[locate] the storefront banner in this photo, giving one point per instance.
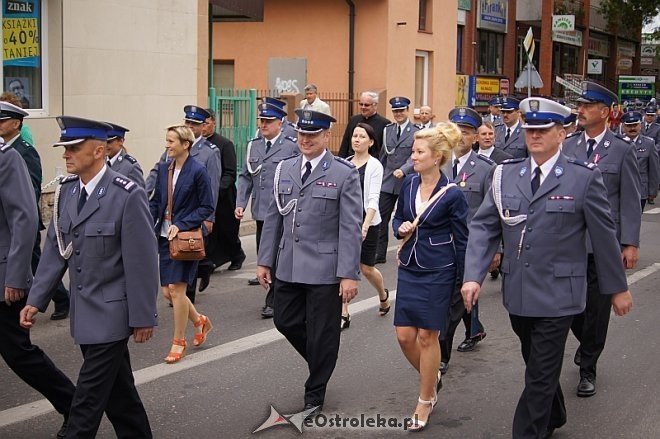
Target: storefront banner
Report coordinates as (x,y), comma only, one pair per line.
(636,87)
(626,49)
(492,15)
(482,90)
(21,22)
(574,38)
(563,22)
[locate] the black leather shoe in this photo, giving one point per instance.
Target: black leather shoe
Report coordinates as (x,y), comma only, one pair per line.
(548,433)
(315,409)
(204,281)
(587,387)
(267,312)
(495,273)
(578,357)
(467,345)
(60,314)
(253,281)
(237,265)
(61,433)
(443,367)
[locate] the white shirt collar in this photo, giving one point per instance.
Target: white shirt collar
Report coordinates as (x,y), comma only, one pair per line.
(91,184)
(404,125)
(114,158)
(487,152)
(315,161)
(513,128)
(13,139)
(273,140)
(461,161)
(546,167)
(599,138)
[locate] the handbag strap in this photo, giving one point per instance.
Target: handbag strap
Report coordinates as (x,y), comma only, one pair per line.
(170,177)
(430,202)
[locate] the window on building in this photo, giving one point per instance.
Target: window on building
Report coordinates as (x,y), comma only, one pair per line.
(459,49)
(223,74)
(491,49)
(425,13)
(421,78)
(22,72)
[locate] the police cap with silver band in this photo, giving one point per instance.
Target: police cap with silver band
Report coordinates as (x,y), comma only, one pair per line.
(11,111)
(631,118)
(195,114)
(274,101)
(571,119)
(509,104)
(465,116)
(651,110)
(270,111)
(593,93)
(311,122)
(117,131)
(399,103)
(543,113)
(76,130)
(496,101)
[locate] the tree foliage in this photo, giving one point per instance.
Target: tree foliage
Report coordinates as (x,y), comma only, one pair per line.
(632,14)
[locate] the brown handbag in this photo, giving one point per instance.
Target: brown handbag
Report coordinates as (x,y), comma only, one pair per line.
(188,245)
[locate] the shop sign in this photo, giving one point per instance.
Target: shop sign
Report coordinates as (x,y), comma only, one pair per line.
(595,67)
(573,38)
(648,50)
(492,15)
(488,85)
(465,5)
(504,87)
(627,49)
(563,22)
(646,61)
(636,87)
(625,63)
(482,90)
(599,47)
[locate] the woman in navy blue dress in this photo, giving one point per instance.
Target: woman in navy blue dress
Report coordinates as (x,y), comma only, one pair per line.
(193,203)
(431,261)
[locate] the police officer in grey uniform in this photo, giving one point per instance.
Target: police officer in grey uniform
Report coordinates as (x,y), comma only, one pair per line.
(472,173)
(647,156)
(118,159)
(398,138)
(616,160)
(102,232)
(208,155)
(18,227)
(534,204)
(313,231)
(288,128)
(650,127)
(255,182)
(494,115)
(508,136)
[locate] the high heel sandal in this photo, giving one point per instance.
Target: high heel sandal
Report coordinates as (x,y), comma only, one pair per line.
(174,357)
(205,323)
(384,310)
(345,322)
(415,425)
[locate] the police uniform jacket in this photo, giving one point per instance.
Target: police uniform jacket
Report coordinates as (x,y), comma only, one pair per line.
(653,132)
(191,198)
(113,267)
(18,220)
(289,130)
(473,180)
(515,145)
(128,166)
(397,157)
(318,242)
(615,158)
(259,186)
(546,275)
(649,168)
(440,238)
(498,156)
(495,120)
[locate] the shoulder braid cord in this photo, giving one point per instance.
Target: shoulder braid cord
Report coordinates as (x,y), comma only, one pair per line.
(249,166)
(497,197)
(291,205)
(66,253)
(387,151)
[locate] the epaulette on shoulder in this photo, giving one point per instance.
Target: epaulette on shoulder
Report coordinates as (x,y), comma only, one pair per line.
(125,183)
(255,138)
(583,164)
(211,145)
(5,147)
(574,133)
(130,158)
(625,139)
(293,139)
(289,157)
(69,178)
(345,162)
(510,161)
(390,124)
(486,159)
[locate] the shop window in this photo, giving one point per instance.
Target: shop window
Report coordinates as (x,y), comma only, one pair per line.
(22,72)
(491,49)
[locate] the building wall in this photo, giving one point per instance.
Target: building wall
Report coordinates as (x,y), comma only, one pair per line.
(137,66)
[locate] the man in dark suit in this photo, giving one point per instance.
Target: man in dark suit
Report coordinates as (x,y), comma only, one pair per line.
(615,157)
(19,224)
(11,121)
(486,144)
(536,203)
(368,104)
(224,243)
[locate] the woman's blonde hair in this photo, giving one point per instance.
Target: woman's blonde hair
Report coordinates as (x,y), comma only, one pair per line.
(441,139)
(184,133)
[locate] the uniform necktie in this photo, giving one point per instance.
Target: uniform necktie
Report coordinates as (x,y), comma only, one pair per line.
(82,199)
(268,145)
(590,147)
(536,181)
(646,127)
(508,134)
(308,170)
(455,168)
(109,163)
(398,132)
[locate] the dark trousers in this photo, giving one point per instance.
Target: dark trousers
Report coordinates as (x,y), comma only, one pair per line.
(224,243)
(270,295)
(590,327)
(541,404)
(643,204)
(456,313)
(29,362)
(105,383)
(61,295)
(204,268)
(308,316)
(260,227)
(386,207)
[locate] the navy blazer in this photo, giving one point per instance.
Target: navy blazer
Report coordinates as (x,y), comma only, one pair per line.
(192,197)
(440,239)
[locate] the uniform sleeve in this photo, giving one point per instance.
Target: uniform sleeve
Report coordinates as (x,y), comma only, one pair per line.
(654,171)
(485,234)
(602,230)
(150,183)
(350,227)
(630,209)
(244,185)
(140,261)
(228,162)
(50,271)
(154,202)
(20,208)
(270,236)
(458,222)
(137,175)
(214,169)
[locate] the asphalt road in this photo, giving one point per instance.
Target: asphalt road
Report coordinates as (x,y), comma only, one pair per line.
(226,389)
